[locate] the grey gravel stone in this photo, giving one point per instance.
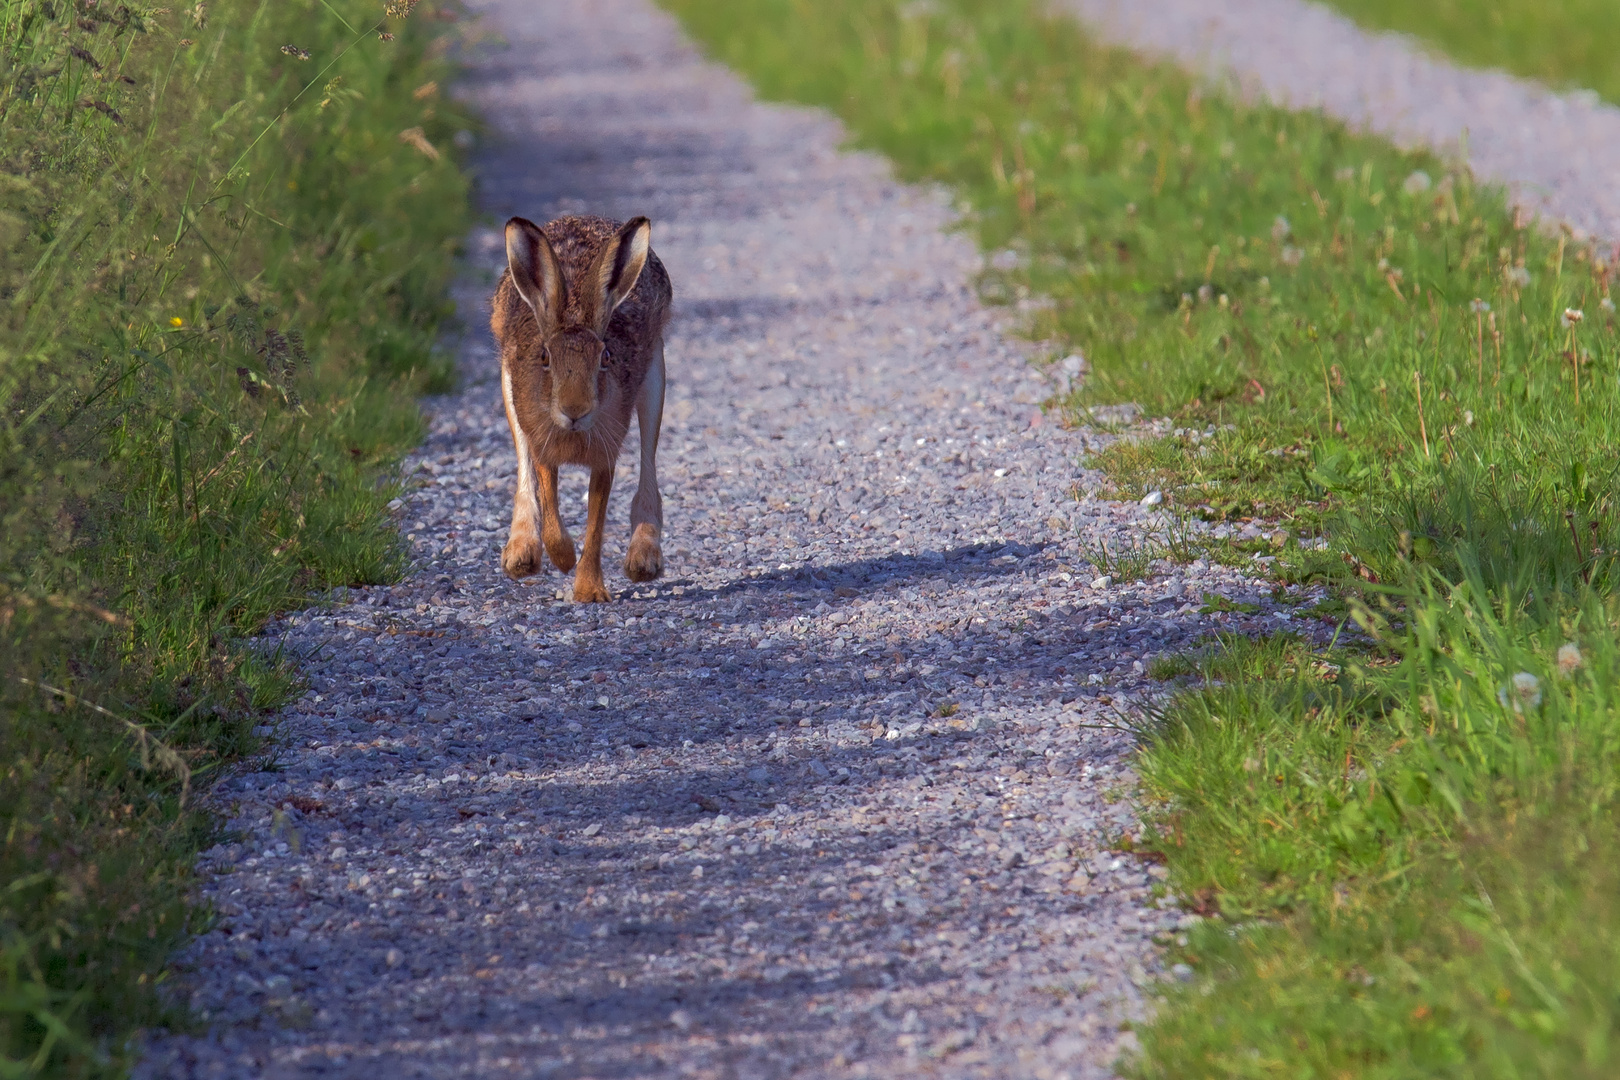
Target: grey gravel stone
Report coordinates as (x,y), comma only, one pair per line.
(835,796)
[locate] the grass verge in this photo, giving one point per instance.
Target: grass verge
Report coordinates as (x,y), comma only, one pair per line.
(1409,849)
(227,232)
(1357,343)
(1569,45)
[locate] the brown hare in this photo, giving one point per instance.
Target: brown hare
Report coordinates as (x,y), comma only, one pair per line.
(579,321)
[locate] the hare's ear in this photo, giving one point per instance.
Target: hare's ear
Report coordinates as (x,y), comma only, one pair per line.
(535,270)
(618,267)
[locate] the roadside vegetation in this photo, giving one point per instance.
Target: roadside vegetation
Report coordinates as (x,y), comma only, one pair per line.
(227,230)
(1569,45)
(1404,843)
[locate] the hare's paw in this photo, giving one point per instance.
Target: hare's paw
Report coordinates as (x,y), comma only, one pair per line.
(645,560)
(520,558)
(560,546)
(591,592)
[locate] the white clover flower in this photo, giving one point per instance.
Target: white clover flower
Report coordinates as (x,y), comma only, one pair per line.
(1572,316)
(1280,229)
(1417,183)
(1523,691)
(1607,305)
(1479,307)
(1569,658)
(1292,256)
(1517,276)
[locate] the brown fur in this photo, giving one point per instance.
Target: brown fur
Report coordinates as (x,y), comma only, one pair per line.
(565,405)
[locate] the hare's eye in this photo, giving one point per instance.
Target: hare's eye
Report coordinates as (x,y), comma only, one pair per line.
(606,356)
(545,357)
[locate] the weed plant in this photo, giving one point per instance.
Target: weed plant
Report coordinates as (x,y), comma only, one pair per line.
(226,234)
(1125,558)
(1405,850)
(1570,44)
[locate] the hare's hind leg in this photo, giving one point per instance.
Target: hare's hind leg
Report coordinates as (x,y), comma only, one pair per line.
(645,559)
(520,558)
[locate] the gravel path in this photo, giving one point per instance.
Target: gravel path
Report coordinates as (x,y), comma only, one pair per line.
(1558,153)
(834,798)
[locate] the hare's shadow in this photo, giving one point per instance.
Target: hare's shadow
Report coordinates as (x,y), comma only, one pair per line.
(899,569)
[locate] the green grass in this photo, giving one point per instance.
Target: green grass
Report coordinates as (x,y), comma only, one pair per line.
(223,267)
(1411,853)
(1570,44)
(1407,876)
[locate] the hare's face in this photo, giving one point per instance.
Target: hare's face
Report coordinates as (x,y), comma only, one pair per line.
(575,361)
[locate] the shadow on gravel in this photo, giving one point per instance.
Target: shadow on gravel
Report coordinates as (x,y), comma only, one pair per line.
(975,560)
(582,968)
(829,862)
(578,1008)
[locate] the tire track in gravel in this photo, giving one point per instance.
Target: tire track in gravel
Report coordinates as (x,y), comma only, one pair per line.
(1558,154)
(722,827)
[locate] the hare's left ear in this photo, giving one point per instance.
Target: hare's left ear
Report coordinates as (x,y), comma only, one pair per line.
(618,267)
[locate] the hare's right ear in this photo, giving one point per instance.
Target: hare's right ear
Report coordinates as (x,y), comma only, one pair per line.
(536,273)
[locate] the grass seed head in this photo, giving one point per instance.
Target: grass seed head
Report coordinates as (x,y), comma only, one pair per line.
(418,138)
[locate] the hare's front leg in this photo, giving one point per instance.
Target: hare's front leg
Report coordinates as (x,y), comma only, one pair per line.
(559,545)
(521,556)
(588,585)
(645,559)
